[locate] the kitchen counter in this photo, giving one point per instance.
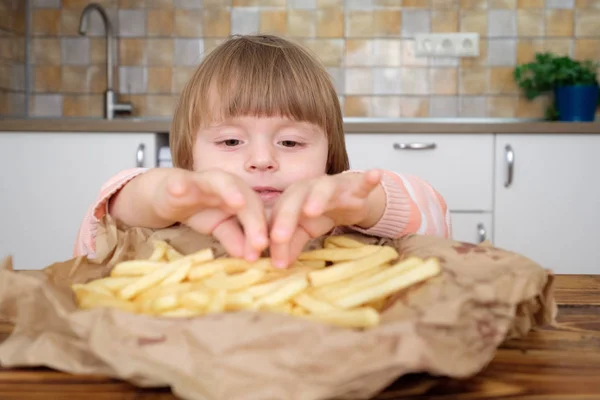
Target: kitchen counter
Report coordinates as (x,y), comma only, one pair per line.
(351,125)
(559,362)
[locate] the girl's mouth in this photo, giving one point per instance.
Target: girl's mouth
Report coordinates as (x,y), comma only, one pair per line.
(268,195)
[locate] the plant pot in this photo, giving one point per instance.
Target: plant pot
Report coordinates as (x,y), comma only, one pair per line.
(576,102)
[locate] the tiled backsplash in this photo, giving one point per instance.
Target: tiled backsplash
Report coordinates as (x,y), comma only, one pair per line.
(12,58)
(367,45)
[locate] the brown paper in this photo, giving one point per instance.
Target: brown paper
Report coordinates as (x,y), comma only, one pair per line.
(450,326)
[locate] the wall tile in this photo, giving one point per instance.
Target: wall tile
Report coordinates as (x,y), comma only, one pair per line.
(188,23)
(75,51)
(502,23)
(444,21)
(45,21)
(48,78)
(474,21)
(159,52)
(502,106)
(472,107)
(474,80)
(443,81)
(559,46)
(188,4)
(502,3)
(302,23)
(480,60)
(244,21)
(561,4)
(358,81)
(587,49)
(416,3)
(502,52)
(133,80)
(443,107)
(526,49)
(357,106)
(387,81)
(46,3)
(330,3)
(132,52)
(302,4)
(387,52)
(415,80)
(160,105)
(359,53)
(133,4)
(387,22)
(83,79)
(559,22)
(188,51)
(181,75)
(473,4)
(132,23)
(409,57)
(159,22)
(530,3)
(273,22)
(587,22)
(160,79)
(415,21)
(532,108)
(359,4)
(330,22)
(329,51)
(337,78)
(216,22)
(47,105)
(359,24)
(46,51)
(414,107)
(83,106)
(587,4)
(530,22)
(502,81)
(385,107)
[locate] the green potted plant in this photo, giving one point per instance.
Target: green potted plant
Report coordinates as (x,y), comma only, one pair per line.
(573,83)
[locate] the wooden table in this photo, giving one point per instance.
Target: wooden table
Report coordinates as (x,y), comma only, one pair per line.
(551,363)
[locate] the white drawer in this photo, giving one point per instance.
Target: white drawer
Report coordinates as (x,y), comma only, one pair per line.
(460,167)
(472,227)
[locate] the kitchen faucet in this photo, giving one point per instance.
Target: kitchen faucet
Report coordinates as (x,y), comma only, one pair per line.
(110,106)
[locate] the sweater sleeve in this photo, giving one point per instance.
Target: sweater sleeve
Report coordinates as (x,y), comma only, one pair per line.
(412,206)
(85,243)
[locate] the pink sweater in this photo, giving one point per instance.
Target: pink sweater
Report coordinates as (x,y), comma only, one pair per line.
(413,206)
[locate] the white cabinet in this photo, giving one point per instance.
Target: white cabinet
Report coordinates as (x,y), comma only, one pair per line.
(549,208)
(48,182)
(459,167)
(472,227)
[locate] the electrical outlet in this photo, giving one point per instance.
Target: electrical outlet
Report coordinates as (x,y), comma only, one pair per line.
(447,44)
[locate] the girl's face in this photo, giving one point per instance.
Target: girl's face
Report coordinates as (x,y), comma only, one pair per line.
(268,153)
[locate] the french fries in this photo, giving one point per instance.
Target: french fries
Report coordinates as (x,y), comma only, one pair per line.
(345,284)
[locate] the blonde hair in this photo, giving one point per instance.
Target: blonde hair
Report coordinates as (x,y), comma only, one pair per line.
(259,75)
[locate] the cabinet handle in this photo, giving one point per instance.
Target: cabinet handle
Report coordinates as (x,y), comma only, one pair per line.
(481,232)
(414,146)
(140,155)
(510,165)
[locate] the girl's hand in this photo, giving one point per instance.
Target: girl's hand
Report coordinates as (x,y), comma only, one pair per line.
(312,208)
(215,203)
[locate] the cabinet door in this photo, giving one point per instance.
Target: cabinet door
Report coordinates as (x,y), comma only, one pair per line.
(549,210)
(472,227)
(459,167)
(48,182)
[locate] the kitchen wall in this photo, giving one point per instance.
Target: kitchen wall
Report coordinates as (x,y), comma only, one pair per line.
(12,58)
(367,46)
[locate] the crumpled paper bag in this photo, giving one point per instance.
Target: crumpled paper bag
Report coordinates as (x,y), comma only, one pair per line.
(450,325)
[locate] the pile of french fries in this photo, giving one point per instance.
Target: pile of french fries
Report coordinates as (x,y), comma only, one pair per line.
(346,283)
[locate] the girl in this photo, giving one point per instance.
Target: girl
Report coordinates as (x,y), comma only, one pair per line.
(260,163)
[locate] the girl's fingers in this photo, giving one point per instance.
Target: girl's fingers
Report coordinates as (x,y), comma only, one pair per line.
(321,197)
(286,214)
(299,240)
(253,220)
(367,183)
(229,234)
(224,187)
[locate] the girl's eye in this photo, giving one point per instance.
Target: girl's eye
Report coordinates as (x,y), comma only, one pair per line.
(230,142)
(289,143)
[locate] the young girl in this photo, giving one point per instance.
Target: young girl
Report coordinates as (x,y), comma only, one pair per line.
(260,163)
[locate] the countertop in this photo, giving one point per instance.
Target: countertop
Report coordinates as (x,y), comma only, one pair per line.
(560,362)
(351,125)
